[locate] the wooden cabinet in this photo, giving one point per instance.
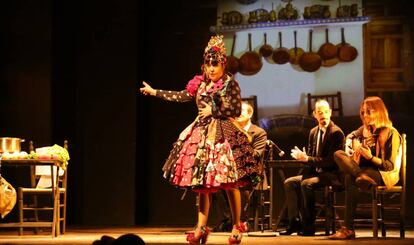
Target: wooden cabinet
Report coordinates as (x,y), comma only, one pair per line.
(388,55)
(388,42)
(388,60)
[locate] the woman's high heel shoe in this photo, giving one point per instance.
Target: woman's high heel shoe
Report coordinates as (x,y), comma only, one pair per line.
(236,238)
(202,239)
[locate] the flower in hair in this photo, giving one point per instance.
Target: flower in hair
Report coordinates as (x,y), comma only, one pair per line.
(216,49)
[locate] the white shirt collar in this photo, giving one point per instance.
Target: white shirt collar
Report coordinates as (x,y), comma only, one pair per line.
(247,127)
(323,129)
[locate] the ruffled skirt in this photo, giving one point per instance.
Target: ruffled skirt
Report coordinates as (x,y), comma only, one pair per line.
(213,156)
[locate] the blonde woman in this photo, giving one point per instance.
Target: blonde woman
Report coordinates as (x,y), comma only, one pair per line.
(370,158)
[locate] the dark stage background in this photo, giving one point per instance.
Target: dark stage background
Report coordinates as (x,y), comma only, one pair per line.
(71,70)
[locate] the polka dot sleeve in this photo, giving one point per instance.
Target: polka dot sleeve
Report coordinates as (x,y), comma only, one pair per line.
(229,104)
(176,96)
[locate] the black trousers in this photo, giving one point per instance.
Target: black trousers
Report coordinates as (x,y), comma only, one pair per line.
(352,170)
(300,195)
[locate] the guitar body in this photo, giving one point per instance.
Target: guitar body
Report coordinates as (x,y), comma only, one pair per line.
(368,140)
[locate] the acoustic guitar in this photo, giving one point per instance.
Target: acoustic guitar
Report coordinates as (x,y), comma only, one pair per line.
(358,142)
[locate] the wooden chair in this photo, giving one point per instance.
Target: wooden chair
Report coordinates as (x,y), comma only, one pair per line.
(380,193)
(325,212)
(262,197)
(252,100)
(334,100)
(38,204)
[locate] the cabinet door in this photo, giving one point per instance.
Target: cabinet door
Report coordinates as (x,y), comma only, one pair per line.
(387,55)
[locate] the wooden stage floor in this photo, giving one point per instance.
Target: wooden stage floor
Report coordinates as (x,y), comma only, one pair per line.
(176,235)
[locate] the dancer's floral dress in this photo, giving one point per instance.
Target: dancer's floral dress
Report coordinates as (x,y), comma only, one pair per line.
(212,153)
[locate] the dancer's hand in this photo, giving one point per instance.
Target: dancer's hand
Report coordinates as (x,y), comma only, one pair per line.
(299,155)
(147,89)
(204,111)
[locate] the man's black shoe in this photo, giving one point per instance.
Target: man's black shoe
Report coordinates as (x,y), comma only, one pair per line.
(294,226)
(307,231)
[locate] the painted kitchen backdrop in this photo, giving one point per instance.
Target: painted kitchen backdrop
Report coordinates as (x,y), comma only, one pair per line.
(280,81)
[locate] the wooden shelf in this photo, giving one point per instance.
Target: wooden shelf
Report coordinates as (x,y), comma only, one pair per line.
(286,23)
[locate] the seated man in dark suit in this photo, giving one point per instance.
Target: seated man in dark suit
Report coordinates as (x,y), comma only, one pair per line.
(324,140)
(259,138)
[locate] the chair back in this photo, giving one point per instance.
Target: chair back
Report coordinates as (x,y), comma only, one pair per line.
(400,188)
(401,162)
(403,170)
(334,100)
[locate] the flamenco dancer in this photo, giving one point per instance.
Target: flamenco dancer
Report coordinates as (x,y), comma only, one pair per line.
(213,152)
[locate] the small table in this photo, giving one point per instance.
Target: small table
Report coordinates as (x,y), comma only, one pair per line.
(55,224)
(281,166)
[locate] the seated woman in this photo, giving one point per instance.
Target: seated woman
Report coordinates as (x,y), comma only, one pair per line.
(370,158)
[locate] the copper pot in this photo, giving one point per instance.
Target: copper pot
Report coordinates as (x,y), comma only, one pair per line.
(310,61)
(232,61)
(250,62)
(266,50)
(330,62)
(327,50)
(8,144)
(296,52)
(346,52)
(280,55)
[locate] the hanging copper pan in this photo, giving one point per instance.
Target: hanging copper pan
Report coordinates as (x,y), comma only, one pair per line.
(266,50)
(250,62)
(346,52)
(280,55)
(295,53)
(327,50)
(330,62)
(232,61)
(310,61)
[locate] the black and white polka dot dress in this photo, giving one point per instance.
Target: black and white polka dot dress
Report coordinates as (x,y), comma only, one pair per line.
(212,153)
